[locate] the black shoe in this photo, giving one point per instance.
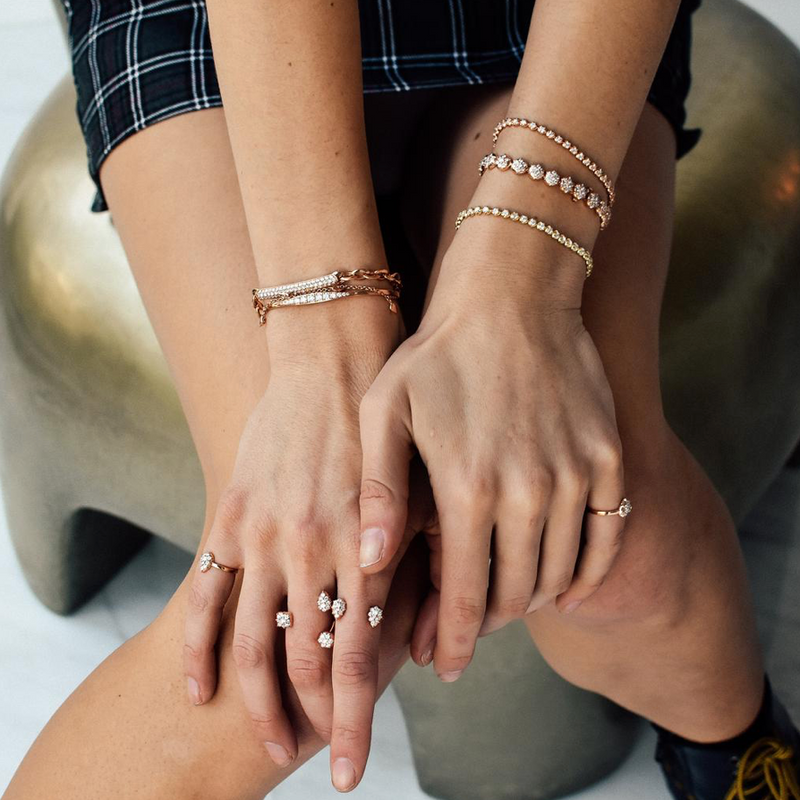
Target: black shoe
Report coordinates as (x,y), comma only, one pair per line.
(763,763)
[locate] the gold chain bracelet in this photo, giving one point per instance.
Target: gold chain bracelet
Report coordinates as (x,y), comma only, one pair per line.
(587,162)
(531,222)
(333,286)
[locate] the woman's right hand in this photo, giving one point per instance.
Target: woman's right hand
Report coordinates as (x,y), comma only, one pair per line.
(289,519)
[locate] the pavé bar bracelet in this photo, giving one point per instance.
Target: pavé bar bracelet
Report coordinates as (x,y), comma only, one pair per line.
(333,286)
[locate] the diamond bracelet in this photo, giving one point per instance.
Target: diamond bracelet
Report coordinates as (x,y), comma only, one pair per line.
(531,222)
(578,191)
(516,122)
(333,286)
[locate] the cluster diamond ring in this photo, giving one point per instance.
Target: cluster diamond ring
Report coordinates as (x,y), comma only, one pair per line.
(622,510)
(207,562)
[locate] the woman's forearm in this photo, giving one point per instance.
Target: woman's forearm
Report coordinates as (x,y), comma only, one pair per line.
(586,72)
(291,81)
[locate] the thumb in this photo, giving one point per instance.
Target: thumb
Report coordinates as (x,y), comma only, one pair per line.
(386,447)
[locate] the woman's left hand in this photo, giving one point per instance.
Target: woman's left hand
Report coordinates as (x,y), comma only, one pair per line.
(503,393)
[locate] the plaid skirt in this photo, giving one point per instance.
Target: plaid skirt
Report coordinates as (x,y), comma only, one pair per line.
(136,62)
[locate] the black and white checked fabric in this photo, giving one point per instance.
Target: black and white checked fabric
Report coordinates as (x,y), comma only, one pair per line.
(136,62)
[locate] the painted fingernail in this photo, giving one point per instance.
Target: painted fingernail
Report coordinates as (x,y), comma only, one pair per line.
(194,691)
(343,774)
(278,753)
(427,654)
(372,542)
(449,677)
(568,609)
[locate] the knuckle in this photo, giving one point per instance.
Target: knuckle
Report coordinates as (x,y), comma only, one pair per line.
(248,652)
(372,405)
(198,600)
(541,482)
(195,653)
(374,491)
(355,667)
(306,673)
(458,662)
(467,610)
(231,507)
(347,733)
(555,585)
(473,492)
(573,479)
(264,721)
(608,453)
(513,606)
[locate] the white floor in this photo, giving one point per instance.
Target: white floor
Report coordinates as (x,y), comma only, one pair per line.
(33,641)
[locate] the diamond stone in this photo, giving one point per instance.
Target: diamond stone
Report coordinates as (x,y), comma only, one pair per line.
(566,185)
(324,601)
(338,607)
(519,166)
(551,177)
(375,615)
(625,507)
(283,619)
(579,192)
(503,161)
(593,201)
(536,172)
(205,561)
(325,639)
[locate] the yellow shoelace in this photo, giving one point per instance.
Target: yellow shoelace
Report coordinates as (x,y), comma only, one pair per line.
(766,765)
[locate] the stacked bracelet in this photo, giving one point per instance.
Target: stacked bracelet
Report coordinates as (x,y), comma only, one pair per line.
(333,286)
(578,191)
(565,143)
(531,222)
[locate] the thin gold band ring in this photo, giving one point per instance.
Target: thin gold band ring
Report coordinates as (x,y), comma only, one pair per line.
(623,509)
(207,562)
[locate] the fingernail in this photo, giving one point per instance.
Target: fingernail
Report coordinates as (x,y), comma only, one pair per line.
(372,542)
(572,606)
(427,655)
(194,691)
(344,774)
(278,753)
(449,677)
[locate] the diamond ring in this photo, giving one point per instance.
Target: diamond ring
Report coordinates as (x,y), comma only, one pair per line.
(623,510)
(207,562)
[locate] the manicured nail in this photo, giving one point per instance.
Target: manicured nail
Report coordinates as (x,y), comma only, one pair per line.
(427,654)
(572,606)
(194,691)
(344,774)
(278,753)
(449,677)
(372,542)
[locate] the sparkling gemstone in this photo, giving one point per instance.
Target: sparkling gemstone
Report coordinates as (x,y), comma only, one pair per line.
(559,139)
(548,229)
(579,156)
(523,122)
(536,172)
(551,177)
(205,562)
(283,619)
(541,129)
(519,166)
(573,150)
(325,639)
(593,201)
(504,213)
(540,225)
(550,134)
(495,211)
(324,602)
(566,184)
(532,222)
(375,615)
(514,215)
(338,607)
(625,507)
(579,192)
(485,210)
(503,161)
(523,218)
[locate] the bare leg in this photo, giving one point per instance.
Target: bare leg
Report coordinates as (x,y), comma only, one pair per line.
(129,730)
(671,633)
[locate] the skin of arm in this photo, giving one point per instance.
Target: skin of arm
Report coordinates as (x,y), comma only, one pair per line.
(290,77)
(515,421)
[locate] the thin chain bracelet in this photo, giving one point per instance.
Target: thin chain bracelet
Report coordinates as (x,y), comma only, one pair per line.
(578,191)
(515,122)
(531,222)
(333,286)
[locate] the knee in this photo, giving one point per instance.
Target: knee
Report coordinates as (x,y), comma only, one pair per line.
(677,515)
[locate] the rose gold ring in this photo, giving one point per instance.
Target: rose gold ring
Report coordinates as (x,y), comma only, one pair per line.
(207,562)
(623,510)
